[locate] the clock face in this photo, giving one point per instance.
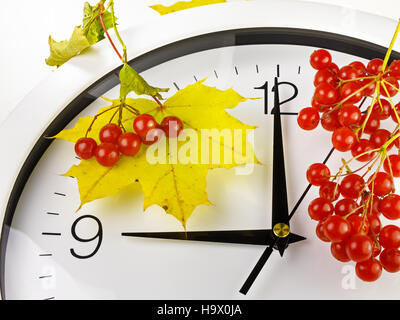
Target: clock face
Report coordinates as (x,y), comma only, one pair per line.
(50,251)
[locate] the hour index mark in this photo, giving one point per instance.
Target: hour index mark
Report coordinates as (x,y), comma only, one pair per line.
(53,213)
(51,234)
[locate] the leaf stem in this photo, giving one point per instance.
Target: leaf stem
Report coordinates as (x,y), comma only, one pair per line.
(158,101)
(108,36)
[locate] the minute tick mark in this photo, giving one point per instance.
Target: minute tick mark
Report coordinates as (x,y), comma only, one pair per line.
(216,74)
(236,70)
(60,194)
(51,234)
(176,86)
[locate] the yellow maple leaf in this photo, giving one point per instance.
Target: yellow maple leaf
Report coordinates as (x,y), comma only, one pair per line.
(173,172)
(182,5)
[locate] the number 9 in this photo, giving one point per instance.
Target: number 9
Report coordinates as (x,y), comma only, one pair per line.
(98,235)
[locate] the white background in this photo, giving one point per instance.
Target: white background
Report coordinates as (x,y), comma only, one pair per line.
(25,26)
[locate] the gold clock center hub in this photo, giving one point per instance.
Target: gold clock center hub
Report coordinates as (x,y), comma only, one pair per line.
(281,230)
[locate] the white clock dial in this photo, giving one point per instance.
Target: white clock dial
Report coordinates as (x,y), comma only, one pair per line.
(46,253)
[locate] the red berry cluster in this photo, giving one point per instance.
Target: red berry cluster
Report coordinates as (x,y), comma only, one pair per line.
(114,142)
(350,203)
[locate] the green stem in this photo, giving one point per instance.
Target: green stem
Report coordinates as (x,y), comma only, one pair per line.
(389,52)
(117,32)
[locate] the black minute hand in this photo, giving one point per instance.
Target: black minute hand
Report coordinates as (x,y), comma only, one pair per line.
(280,210)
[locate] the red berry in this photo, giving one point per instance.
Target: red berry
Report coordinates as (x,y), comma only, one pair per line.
(347,73)
(369,270)
(85,147)
(338,250)
(107,154)
(359,247)
(143,124)
(368,91)
(320,59)
(382,110)
(308,118)
(334,68)
(343,139)
(374,223)
(351,92)
(317,174)
(358,224)
(359,67)
(129,144)
(329,120)
(390,260)
(374,66)
(336,228)
(349,115)
(319,107)
(389,237)
(320,208)
(394,160)
(110,133)
(325,94)
(394,69)
(373,123)
(382,184)
(389,206)
(320,232)
(389,87)
(393,112)
(345,206)
(327,191)
(173,126)
(361,148)
(351,186)
(379,137)
(153,136)
(325,76)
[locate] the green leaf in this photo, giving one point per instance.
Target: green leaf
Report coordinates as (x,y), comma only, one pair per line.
(92,24)
(132,81)
(61,52)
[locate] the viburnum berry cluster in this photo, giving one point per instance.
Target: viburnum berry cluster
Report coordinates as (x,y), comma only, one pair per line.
(116,141)
(352,202)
